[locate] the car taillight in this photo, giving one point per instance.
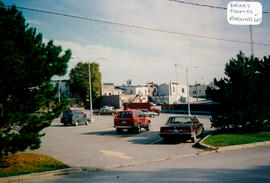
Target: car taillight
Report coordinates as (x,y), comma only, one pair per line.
(166,130)
(186,130)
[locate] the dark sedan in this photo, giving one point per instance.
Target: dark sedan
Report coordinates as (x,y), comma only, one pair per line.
(184,126)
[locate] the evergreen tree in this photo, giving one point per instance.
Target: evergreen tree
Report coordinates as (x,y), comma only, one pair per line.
(244,95)
(27,66)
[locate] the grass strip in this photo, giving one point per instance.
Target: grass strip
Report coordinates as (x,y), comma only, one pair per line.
(26,163)
(220,140)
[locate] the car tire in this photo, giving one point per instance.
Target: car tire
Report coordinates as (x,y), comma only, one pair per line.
(87,122)
(151,115)
(166,139)
(138,129)
(76,123)
(65,124)
(148,128)
(119,130)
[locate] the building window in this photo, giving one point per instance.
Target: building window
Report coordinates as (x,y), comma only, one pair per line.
(183,90)
(173,89)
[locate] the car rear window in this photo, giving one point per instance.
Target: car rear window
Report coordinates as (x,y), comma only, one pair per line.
(179,120)
(76,112)
(124,115)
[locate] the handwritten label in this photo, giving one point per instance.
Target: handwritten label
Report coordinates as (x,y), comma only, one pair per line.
(244,13)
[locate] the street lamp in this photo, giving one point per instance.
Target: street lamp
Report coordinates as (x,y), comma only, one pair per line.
(188,86)
(90,91)
(59,90)
(176,72)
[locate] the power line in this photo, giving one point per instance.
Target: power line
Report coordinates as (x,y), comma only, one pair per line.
(137,26)
(206,5)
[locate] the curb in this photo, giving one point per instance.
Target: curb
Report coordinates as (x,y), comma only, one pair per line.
(31,176)
(243,146)
(208,150)
(200,144)
(206,147)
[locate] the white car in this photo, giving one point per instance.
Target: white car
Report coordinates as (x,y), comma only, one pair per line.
(150,114)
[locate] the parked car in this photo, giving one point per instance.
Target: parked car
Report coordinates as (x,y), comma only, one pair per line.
(74,117)
(184,126)
(149,113)
(131,120)
(104,111)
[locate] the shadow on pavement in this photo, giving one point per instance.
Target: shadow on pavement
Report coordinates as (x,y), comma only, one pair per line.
(172,175)
(113,133)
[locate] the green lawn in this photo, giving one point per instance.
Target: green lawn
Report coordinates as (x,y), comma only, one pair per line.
(219,140)
(25,163)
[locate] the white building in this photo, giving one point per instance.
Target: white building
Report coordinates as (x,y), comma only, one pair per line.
(199,91)
(107,89)
(141,91)
(170,93)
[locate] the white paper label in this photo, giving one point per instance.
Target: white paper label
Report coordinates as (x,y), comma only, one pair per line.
(244,13)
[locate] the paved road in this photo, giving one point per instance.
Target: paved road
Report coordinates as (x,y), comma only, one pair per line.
(97,145)
(246,165)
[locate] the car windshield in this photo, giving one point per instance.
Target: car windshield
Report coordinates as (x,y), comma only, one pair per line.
(179,120)
(124,115)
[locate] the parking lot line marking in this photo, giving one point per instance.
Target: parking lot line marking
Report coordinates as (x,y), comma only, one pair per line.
(116,154)
(156,141)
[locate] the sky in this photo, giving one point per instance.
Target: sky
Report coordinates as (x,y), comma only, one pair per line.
(143,55)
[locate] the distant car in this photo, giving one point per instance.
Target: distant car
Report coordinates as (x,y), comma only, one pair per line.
(104,111)
(184,126)
(149,113)
(131,120)
(74,117)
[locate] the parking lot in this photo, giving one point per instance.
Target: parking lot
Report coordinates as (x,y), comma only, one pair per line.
(98,146)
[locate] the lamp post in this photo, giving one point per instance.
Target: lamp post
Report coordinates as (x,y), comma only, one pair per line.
(59,91)
(90,91)
(188,86)
(176,72)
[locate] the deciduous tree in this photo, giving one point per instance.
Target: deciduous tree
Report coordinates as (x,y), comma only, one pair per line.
(79,80)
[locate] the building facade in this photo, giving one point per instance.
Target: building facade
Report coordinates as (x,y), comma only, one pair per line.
(170,93)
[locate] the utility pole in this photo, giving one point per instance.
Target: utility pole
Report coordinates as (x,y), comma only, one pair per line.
(251,38)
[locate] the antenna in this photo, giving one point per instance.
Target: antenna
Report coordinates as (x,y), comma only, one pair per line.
(129,82)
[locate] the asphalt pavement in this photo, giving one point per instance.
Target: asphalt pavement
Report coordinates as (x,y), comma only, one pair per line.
(98,146)
(245,165)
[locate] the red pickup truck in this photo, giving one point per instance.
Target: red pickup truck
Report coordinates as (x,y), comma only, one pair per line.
(131,119)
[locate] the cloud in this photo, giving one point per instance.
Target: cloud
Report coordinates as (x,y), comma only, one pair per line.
(144,55)
(33,22)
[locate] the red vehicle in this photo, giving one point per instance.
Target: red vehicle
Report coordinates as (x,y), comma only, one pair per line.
(148,106)
(131,120)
